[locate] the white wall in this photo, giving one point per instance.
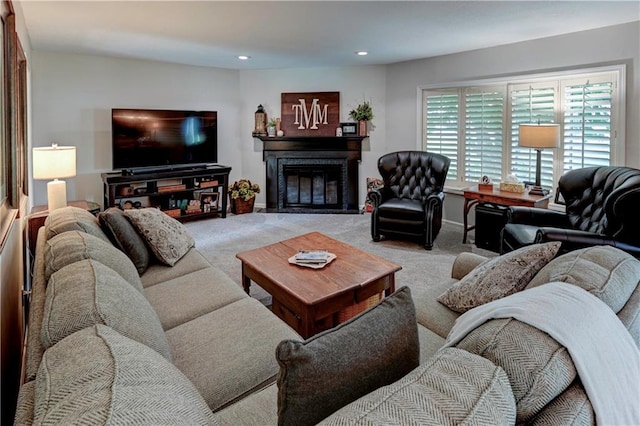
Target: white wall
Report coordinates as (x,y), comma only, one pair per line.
(73,96)
(355,84)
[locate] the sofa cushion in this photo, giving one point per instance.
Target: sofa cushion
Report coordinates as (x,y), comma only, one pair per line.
(159,272)
(194,294)
(498,277)
(87,293)
(453,387)
(431,313)
(228,353)
(538,367)
(327,371)
(125,237)
(167,238)
(608,273)
(97,376)
(572,407)
(70,247)
(72,219)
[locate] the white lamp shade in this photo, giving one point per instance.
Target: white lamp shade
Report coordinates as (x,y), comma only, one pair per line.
(54,162)
(539,136)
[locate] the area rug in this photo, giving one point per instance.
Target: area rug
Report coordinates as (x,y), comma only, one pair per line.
(220,239)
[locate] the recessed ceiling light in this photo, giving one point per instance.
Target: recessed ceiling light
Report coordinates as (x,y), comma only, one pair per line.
(244,57)
(362,53)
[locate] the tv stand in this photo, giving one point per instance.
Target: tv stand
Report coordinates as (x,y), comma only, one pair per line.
(185,193)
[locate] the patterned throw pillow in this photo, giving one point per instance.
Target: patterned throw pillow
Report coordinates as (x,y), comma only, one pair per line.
(167,238)
(498,277)
(332,369)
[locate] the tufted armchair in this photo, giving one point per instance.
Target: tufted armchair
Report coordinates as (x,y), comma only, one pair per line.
(601,209)
(410,202)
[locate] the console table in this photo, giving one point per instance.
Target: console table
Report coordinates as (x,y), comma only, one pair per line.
(474,195)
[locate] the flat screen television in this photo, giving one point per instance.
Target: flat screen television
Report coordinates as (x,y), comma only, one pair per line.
(152,138)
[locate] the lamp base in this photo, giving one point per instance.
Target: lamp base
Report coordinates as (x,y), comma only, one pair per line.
(538,190)
(56,194)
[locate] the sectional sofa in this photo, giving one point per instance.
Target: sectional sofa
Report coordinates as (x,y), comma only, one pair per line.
(129,323)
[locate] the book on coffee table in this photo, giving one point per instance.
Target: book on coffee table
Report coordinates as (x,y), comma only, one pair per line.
(312,256)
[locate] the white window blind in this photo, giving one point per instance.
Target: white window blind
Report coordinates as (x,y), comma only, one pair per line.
(483,134)
(441,126)
(587,123)
(531,103)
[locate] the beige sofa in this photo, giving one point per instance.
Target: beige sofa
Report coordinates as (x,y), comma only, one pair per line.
(213,360)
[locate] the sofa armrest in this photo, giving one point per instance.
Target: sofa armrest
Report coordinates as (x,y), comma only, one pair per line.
(465,263)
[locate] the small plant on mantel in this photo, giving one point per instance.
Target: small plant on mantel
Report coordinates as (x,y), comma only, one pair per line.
(243,189)
(363,112)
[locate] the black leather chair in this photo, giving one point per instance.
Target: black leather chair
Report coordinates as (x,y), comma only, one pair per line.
(410,202)
(602,208)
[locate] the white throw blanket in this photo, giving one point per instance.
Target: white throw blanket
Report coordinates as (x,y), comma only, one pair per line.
(603,352)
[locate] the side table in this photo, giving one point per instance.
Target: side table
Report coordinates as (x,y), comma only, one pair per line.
(40,213)
(474,195)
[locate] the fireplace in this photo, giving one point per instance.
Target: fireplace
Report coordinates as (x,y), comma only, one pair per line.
(312,174)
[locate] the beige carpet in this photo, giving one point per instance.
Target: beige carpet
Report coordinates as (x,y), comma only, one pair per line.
(220,239)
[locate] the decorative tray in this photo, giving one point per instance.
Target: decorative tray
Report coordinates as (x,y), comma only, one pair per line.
(330,257)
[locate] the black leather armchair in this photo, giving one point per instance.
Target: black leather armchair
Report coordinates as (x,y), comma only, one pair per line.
(602,208)
(410,202)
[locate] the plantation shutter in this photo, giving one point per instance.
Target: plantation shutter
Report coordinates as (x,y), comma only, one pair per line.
(483,134)
(441,126)
(587,124)
(532,103)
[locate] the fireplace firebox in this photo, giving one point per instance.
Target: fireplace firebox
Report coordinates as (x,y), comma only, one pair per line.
(312,174)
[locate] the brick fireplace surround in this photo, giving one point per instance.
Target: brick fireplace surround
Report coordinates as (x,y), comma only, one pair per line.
(312,174)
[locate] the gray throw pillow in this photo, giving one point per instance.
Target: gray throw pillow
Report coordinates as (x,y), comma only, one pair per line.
(332,369)
(72,246)
(72,219)
(498,277)
(167,238)
(87,293)
(125,237)
(98,376)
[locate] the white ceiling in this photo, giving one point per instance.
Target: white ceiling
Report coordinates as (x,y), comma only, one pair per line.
(291,34)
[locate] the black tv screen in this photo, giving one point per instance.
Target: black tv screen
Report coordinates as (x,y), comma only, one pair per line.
(153,138)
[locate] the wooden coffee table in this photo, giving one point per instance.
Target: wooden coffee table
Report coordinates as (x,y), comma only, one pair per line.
(309,300)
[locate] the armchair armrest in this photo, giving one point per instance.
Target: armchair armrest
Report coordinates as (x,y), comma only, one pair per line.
(573,239)
(375,197)
(537,217)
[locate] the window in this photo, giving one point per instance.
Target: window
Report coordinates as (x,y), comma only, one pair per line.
(476,125)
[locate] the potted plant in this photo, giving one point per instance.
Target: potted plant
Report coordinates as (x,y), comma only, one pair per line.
(242,196)
(362,114)
(271,127)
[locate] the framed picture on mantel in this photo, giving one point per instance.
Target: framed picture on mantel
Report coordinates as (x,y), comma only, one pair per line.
(310,114)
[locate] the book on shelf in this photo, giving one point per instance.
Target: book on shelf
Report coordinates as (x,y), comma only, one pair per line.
(312,256)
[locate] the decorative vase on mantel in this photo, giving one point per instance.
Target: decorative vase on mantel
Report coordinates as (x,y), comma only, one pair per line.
(363,128)
(240,205)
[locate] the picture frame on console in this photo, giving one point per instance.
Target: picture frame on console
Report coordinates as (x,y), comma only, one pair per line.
(208,201)
(349,129)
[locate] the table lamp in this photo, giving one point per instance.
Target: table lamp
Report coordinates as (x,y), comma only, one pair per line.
(539,137)
(55,162)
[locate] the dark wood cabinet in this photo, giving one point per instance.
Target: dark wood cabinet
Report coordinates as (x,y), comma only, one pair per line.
(185,194)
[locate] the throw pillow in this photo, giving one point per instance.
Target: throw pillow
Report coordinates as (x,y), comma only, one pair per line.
(498,277)
(72,219)
(332,369)
(98,376)
(167,238)
(608,273)
(453,387)
(125,237)
(87,293)
(72,246)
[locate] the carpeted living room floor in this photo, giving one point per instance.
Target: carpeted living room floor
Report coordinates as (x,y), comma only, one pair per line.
(220,239)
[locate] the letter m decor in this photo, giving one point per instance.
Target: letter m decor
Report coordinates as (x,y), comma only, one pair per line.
(310,114)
